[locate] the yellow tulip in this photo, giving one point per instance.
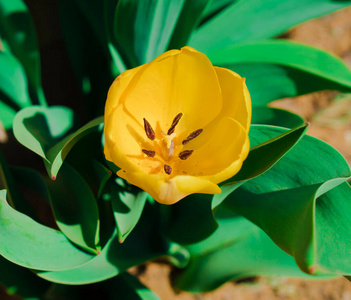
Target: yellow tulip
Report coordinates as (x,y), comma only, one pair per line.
(177,125)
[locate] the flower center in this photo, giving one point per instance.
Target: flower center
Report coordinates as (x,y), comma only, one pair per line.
(164,148)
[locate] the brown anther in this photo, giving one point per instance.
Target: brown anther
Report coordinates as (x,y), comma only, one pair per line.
(149,131)
(185,154)
(174,123)
(168,169)
(192,136)
(149,153)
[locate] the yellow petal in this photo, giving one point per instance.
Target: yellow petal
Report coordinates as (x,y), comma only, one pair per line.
(169,191)
(220,156)
(184,82)
(124,141)
(118,88)
(236,97)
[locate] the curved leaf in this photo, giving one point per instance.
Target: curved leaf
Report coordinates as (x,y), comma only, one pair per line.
(13,83)
(32,245)
(142,244)
(268,82)
(237,250)
(143,29)
(251,20)
(286,61)
(274,116)
(287,202)
(127,203)
(75,208)
(18,33)
(188,19)
(39,128)
(57,154)
(263,155)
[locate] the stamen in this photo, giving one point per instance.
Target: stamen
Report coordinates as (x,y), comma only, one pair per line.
(174,123)
(168,169)
(192,136)
(149,153)
(149,131)
(185,154)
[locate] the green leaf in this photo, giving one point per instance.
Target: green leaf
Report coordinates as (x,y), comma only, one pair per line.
(75,208)
(127,203)
(237,250)
(275,116)
(57,154)
(32,245)
(20,281)
(7,115)
(39,128)
(188,19)
(143,29)
(268,82)
(122,287)
(284,69)
(18,34)
(143,244)
(179,225)
(290,202)
(251,20)
(216,6)
(13,82)
(269,144)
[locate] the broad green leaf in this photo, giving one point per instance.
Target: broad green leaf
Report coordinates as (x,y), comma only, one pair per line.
(143,28)
(216,6)
(269,144)
(144,243)
(7,115)
(18,34)
(250,20)
(13,83)
(275,116)
(75,208)
(237,250)
(188,19)
(20,281)
(32,245)
(127,203)
(291,199)
(121,287)
(268,82)
(179,219)
(57,154)
(39,128)
(320,70)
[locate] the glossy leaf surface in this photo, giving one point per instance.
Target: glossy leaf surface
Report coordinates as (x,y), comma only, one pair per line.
(32,245)
(251,20)
(75,208)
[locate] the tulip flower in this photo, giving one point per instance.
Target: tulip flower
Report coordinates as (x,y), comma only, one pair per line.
(177,125)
